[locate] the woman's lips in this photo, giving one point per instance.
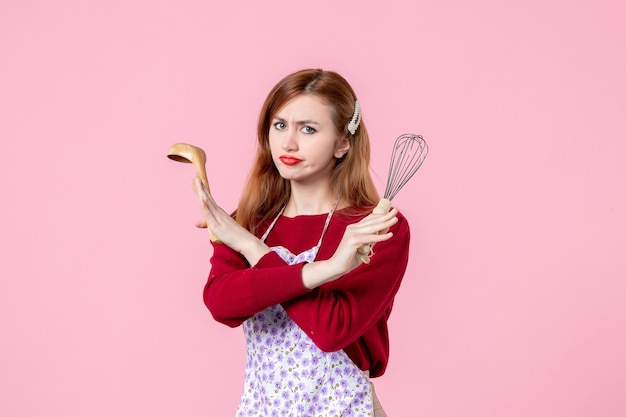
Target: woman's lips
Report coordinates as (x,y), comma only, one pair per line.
(289,160)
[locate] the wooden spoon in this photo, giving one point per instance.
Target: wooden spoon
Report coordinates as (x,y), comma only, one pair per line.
(183,152)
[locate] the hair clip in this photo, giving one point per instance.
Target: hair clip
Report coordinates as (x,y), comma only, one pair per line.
(356,118)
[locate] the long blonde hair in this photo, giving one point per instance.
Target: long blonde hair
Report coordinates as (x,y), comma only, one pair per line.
(266,192)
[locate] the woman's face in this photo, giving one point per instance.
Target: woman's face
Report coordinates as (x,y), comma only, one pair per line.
(304,142)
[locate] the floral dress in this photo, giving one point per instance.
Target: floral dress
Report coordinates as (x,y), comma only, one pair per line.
(288,375)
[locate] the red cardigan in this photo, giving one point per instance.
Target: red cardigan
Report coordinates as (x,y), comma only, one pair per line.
(350,313)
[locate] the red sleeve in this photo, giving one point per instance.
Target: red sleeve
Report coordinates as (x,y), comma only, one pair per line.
(235,291)
(336,314)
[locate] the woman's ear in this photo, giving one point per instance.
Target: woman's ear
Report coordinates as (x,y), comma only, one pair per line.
(343,145)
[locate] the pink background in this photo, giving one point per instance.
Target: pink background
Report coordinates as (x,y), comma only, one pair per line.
(514,303)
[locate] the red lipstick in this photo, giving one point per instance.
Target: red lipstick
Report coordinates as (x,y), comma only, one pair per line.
(289,160)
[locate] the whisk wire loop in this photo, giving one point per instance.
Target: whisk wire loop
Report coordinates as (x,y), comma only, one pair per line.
(408,154)
(409,151)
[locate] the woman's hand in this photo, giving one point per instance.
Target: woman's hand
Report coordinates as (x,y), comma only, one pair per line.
(371,229)
(225,228)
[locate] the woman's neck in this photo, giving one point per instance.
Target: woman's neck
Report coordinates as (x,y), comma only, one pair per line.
(309,201)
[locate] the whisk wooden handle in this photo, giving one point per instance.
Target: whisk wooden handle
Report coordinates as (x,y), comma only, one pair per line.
(384,205)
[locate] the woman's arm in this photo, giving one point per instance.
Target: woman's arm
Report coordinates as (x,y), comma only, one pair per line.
(337,313)
(246,276)
(235,291)
(346,257)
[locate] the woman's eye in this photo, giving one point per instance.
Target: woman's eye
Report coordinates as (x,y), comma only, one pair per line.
(279,126)
(308,130)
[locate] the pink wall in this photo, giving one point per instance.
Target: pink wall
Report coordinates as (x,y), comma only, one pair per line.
(514,303)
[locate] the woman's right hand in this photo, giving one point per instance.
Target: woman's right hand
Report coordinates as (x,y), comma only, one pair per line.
(225,228)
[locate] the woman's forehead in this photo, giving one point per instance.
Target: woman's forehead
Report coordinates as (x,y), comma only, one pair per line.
(305,106)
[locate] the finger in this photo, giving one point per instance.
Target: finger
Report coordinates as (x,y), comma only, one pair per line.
(367,246)
(213,213)
(375,217)
(196,184)
(365,253)
(372,239)
(381,237)
(375,230)
(198,187)
(391,213)
(374,226)
(201,224)
(392,221)
(209,206)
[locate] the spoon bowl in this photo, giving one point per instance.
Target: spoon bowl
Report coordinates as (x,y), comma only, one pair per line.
(184,152)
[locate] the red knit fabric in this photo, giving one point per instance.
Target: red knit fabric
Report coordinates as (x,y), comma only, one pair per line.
(350,313)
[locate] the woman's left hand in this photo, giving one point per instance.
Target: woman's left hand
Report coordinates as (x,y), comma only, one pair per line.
(372,229)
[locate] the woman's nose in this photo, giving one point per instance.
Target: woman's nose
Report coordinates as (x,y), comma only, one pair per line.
(290,142)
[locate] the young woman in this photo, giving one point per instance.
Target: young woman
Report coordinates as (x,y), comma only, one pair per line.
(314,308)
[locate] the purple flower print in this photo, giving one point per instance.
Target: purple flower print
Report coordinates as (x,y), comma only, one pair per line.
(287,375)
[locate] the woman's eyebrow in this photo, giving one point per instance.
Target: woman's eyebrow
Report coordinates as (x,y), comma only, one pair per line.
(300,122)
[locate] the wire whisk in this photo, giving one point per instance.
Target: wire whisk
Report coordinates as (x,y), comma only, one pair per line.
(409,152)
